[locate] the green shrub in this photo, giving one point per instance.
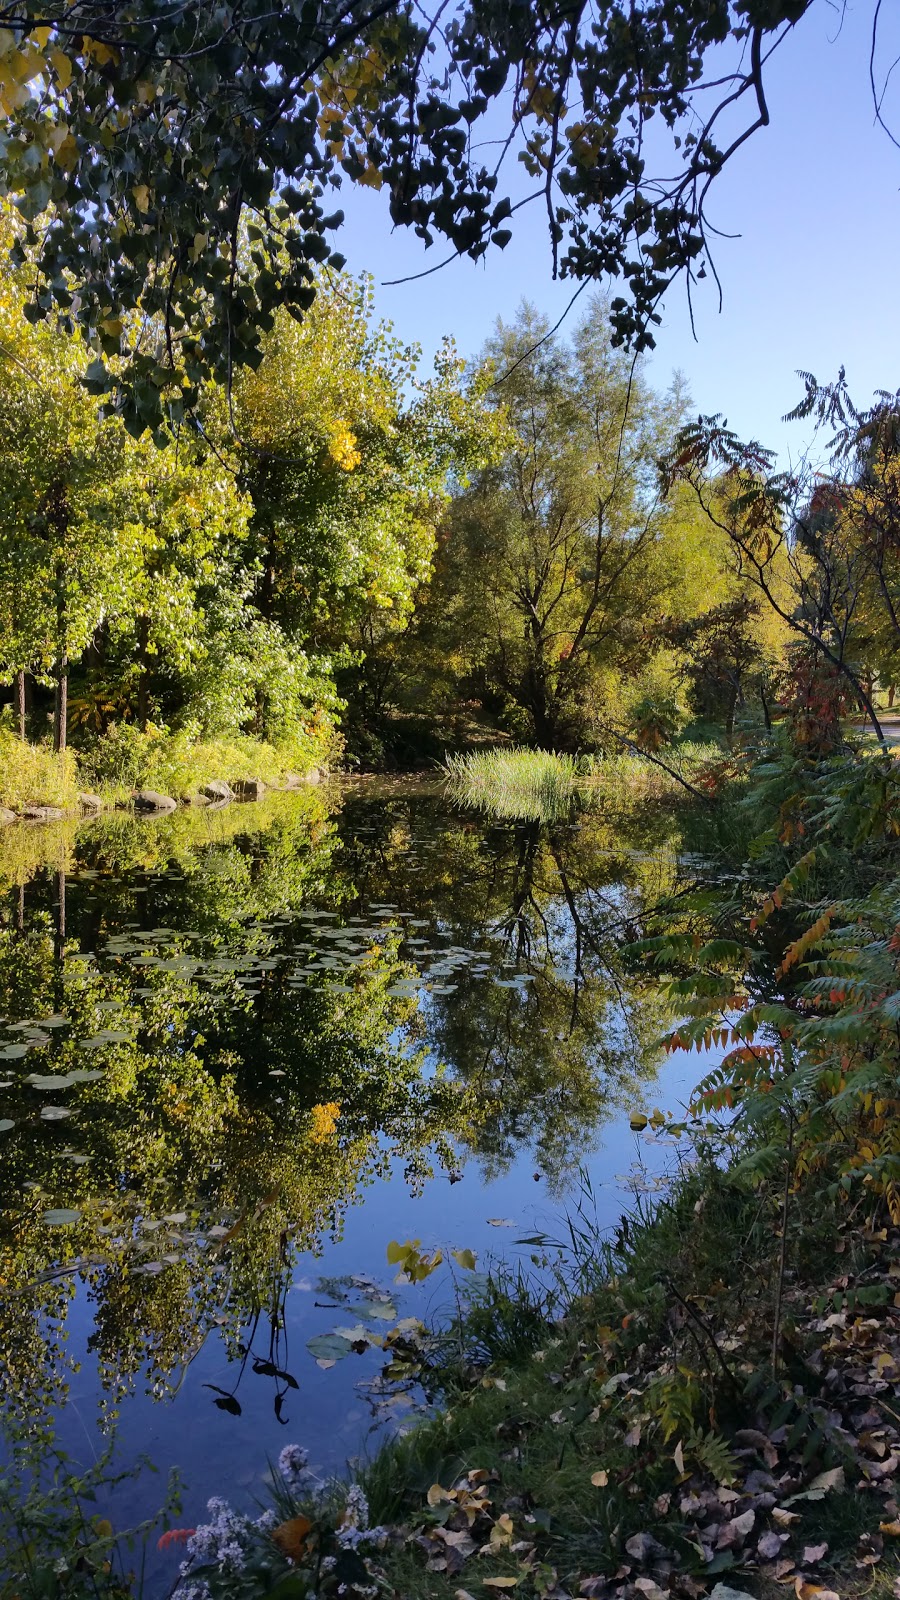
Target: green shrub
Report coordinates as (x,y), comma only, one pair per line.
(177,764)
(30,774)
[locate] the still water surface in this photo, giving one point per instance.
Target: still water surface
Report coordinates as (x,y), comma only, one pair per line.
(242,1050)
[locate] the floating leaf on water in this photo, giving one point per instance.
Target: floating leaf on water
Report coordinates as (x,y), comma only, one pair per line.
(376,1310)
(5,1124)
(61,1218)
(14,1052)
(50,1080)
(500,1222)
(329,1346)
(55,1113)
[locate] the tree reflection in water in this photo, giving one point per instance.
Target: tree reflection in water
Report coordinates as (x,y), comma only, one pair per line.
(220,1030)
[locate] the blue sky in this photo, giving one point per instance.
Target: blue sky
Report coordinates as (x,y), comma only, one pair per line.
(810,283)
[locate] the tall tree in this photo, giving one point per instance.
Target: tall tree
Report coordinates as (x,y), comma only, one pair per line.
(553,564)
(348,454)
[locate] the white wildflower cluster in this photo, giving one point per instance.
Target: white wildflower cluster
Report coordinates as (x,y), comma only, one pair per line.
(356,1512)
(355,1533)
(292,1464)
(223,1542)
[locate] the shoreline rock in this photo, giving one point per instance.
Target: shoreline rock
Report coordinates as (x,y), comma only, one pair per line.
(217,790)
(149,800)
(248,788)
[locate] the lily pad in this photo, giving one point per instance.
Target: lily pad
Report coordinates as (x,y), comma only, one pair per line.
(5,1124)
(329,1346)
(63,1218)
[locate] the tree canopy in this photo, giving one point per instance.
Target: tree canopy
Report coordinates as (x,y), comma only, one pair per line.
(176,162)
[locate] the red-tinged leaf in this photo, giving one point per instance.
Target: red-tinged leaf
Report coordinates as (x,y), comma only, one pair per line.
(174,1536)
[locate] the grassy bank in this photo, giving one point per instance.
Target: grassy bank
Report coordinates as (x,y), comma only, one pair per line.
(125,759)
(643,1442)
(542,786)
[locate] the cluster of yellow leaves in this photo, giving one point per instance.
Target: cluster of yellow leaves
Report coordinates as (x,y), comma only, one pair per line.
(323,1119)
(342,445)
(343,87)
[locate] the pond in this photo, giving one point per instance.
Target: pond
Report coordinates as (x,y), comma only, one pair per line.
(243,1050)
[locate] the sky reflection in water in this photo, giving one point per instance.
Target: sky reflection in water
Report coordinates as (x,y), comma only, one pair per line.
(241,1052)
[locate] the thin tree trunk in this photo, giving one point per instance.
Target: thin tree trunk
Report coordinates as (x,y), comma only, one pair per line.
(60,721)
(143,680)
(59,942)
(20,702)
(767,715)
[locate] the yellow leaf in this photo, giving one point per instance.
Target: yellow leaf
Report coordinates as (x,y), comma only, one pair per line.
(141,196)
(600,1479)
(637,1121)
(465,1259)
(501,1583)
(892,1529)
(103,54)
(437,1495)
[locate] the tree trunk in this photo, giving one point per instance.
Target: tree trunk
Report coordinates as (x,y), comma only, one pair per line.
(730,715)
(767,715)
(60,720)
(59,942)
(20,702)
(143,680)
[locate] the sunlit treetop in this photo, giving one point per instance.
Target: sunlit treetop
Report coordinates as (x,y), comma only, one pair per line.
(175,160)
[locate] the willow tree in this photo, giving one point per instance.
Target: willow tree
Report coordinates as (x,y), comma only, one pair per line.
(554,564)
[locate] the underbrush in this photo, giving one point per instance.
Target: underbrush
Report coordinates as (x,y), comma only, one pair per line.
(125,759)
(32,775)
(176,764)
(643,1443)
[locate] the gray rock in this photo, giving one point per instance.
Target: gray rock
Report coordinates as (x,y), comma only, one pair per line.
(149,800)
(42,813)
(7,816)
(91,802)
(249,788)
(195,799)
(217,789)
